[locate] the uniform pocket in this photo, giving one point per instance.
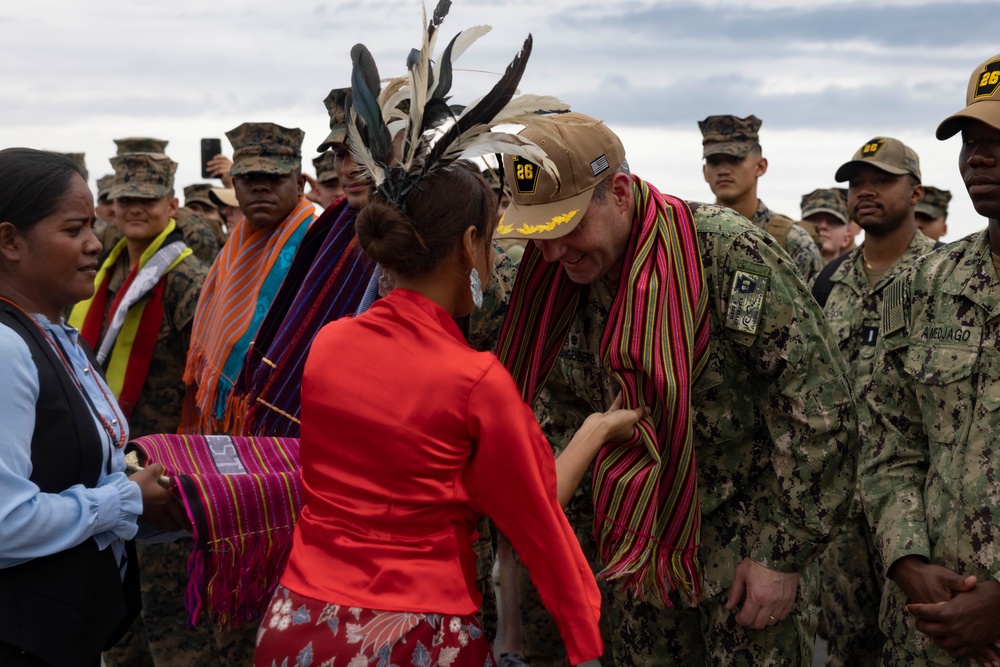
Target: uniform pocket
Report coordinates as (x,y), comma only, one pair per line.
(944,390)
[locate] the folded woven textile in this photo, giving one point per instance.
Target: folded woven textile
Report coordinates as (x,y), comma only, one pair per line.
(243,495)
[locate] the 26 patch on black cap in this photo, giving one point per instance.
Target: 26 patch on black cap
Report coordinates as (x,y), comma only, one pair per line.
(525,175)
(989,81)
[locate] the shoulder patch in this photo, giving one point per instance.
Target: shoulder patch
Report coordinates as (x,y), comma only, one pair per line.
(746,301)
(893,318)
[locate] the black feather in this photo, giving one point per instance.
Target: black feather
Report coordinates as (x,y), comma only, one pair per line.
(444,74)
(443,6)
(365,88)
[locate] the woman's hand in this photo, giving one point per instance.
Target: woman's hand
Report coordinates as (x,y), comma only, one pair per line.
(617,424)
(160,506)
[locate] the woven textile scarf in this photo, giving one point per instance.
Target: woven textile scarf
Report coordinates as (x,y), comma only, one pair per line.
(326,282)
(243,496)
(655,343)
(237,294)
(133,326)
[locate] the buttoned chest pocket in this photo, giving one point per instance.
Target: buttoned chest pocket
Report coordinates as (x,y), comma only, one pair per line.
(945,388)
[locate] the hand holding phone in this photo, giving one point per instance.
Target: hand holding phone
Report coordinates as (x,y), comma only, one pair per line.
(209,149)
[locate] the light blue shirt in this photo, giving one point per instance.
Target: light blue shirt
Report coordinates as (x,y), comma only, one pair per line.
(35,524)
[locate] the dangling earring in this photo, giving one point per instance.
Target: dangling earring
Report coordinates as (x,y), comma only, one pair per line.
(477,288)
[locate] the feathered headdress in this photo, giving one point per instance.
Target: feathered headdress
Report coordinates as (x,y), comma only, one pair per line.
(434,132)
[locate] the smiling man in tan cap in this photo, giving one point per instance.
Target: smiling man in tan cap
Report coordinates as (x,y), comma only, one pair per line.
(931,458)
(636,284)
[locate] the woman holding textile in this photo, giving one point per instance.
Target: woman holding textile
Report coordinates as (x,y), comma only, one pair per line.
(67,510)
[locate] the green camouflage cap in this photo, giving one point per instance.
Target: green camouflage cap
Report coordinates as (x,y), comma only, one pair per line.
(825,200)
(145,175)
(934,203)
(729,135)
(79,161)
(198,193)
(324,167)
(337,103)
(141,145)
(104,184)
(982,100)
(265,148)
(890,155)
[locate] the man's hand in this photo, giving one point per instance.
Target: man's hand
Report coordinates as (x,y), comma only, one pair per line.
(966,626)
(766,595)
(219,167)
(924,583)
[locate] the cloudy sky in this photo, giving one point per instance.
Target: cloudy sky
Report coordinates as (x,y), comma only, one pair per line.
(824,76)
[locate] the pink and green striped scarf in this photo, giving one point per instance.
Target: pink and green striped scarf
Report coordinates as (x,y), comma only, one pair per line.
(655,344)
(243,496)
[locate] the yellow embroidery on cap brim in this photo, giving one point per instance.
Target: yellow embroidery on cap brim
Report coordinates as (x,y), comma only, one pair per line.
(549,226)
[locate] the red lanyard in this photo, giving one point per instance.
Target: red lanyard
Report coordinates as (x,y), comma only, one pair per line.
(115,429)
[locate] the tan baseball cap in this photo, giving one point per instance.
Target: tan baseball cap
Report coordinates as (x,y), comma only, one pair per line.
(982,100)
(885,153)
(585,153)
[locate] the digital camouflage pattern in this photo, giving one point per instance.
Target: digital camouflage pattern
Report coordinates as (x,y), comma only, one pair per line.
(729,135)
(934,203)
(794,238)
(104,184)
(79,159)
(336,104)
(142,175)
(928,473)
(141,145)
(265,148)
(325,169)
(825,200)
(851,579)
(776,437)
(199,235)
(198,192)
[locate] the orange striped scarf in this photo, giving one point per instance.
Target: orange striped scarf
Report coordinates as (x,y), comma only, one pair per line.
(655,343)
(242,281)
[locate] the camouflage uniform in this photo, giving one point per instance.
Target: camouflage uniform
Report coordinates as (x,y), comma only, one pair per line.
(929,457)
(198,235)
(798,243)
(200,192)
(851,580)
(775,429)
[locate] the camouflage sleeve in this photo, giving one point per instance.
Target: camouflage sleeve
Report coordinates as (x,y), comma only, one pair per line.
(804,252)
(486,322)
(779,333)
(894,455)
(199,237)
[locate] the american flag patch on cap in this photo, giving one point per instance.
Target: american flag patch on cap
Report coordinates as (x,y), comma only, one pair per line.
(599,165)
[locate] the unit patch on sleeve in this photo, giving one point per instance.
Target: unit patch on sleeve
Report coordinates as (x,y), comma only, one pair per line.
(746,301)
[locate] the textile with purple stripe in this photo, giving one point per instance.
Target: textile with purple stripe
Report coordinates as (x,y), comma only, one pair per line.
(326,281)
(655,344)
(243,496)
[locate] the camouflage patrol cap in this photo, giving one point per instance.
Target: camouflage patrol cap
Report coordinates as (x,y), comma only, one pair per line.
(141,145)
(935,202)
(104,184)
(982,100)
(824,200)
(265,148)
(79,161)
(890,155)
(198,192)
(324,167)
(144,175)
(337,103)
(729,135)
(585,154)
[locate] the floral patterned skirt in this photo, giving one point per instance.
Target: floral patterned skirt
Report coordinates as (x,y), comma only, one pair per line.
(299,631)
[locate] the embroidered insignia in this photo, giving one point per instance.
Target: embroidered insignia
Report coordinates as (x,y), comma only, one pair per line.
(892,308)
(872,147)
(525,176)
(599,165)
(746,301)
(989,80)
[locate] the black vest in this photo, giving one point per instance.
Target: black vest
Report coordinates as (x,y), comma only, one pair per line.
(68,607)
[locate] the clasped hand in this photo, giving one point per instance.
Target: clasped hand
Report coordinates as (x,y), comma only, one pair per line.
(766,595)
(160,506)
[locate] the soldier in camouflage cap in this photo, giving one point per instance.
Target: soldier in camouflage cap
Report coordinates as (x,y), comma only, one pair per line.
(930,467)
(105,227)
(266,171)
(826,209)
(325,188)
(141,145)
(198,200)
(352,181)
(932,213)
(733,164)
(773,420)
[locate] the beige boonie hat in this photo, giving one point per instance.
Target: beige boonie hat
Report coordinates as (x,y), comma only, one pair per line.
(141,145)
(104,184)
(337,103)
(729,135)
(144,175)
(324,167)
(224,197)
(825,200)
(982,100)
(198,192)
(588,153)
(265,148)
(934,203)
(888,154)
